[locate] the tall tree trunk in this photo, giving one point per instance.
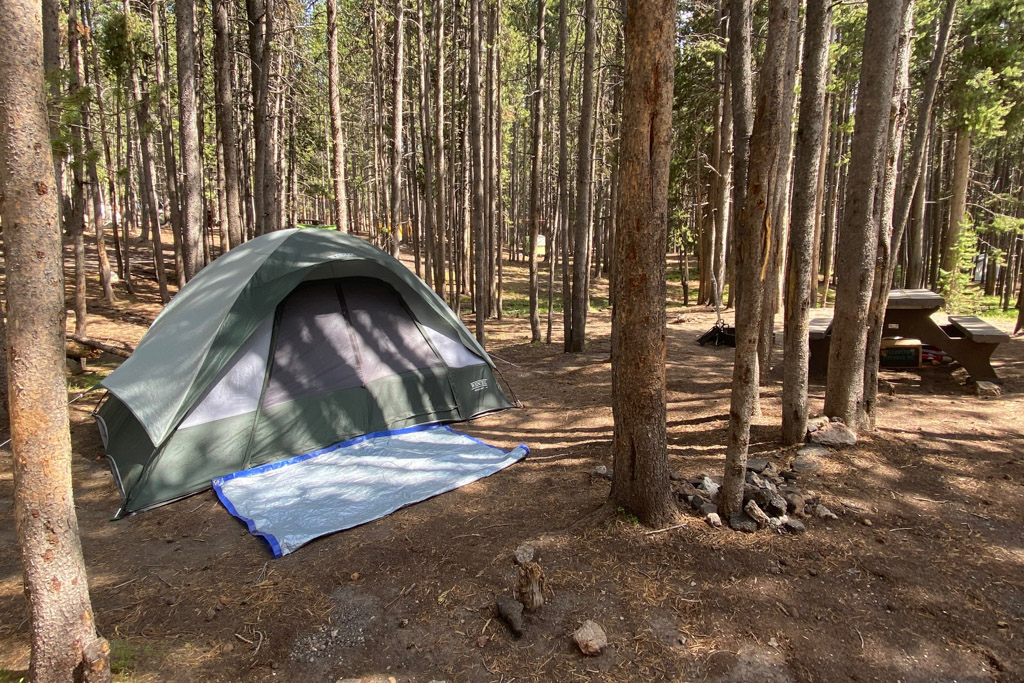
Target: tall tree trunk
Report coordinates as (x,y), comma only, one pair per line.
(76,222)
(477,169)
(858,235)
(752,237)
(911,174)
(225,111)
(426,135)
(337,169)
(819,198)
(64,639)
(192,165)
(397,111)
(641,477)
(888,237)
(799,293)
(107,157)
(584,159)
(441,204)
(562,229)
(167,133)
(957,205)
(779,206)
(80,35)
(538,150)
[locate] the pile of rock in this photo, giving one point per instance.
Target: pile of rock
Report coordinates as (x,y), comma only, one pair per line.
(771,497)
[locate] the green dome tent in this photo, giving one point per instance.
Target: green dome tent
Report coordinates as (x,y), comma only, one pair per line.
(293,341)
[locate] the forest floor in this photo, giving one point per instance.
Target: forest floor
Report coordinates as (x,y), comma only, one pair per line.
(921,578)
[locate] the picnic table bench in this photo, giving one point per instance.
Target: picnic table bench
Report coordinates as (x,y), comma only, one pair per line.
(967,339)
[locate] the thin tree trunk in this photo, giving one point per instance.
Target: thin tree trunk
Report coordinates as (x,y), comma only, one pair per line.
(957,206)
(752,236)
(397,111)
(808,157)
(562,229)
(584,166)
(538,150)
(440,205)
(76,222)
(192,165)
(63,633)
(225,111)
(477,170)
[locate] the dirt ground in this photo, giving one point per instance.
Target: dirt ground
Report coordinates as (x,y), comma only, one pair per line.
(920,578)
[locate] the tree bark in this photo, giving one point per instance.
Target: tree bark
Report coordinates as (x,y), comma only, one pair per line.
(225,111)
(192,165)
(397,112)
(477,170)
(799,293)
(888,239)
(535,172)
(441,203)
(583,223)
(641,476)
(858,234)
(562,229)
(752,237)
(64,639)
(957,206)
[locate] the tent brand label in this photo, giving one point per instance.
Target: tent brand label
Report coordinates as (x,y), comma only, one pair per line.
(478,385)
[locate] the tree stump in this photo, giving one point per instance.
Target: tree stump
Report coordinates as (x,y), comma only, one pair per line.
(531,585)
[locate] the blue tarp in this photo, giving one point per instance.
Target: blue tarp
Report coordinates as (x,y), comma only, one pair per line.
(291,502)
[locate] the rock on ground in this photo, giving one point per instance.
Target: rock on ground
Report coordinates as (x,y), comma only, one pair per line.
(741,521)
(511,611)
(590,638)
(805,464)
(834,434)
(987,389)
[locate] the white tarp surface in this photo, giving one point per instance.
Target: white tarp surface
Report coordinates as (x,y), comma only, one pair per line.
(291,502)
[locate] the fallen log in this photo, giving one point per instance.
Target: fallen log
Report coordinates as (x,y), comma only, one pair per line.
(102,346)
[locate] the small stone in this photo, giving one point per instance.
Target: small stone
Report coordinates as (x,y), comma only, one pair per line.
(794,526)
(511,611)
(814,449)
(795,504)
(354,576)
(1002,624)
(482,641)
(713,520)
(866,521)
(777,523)
(835,434)
(756,513)
(697,502)
(757,464)
(987,389)
(823,512)
(805,464)
(708,509)
(601,472)
(523,554)
(402,623)
(590,638)
(710,487)
(788,475)
(741,521)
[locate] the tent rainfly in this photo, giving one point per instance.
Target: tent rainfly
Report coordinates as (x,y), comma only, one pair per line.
(288,343)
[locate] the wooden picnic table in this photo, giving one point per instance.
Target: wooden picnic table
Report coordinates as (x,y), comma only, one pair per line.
(967,339)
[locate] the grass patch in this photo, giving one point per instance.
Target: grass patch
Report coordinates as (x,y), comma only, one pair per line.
(83,382)
(518,306)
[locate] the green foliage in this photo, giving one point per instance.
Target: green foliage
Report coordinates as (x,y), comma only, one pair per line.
(627,516)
